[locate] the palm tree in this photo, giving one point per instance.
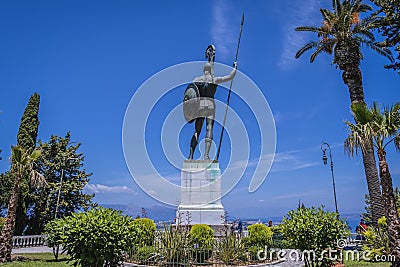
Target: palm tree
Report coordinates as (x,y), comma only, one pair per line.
(342,34)
(21,163)
(382,129)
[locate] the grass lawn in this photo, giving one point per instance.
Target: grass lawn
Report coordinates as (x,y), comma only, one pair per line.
(38,260)
(47,260)
(361,263)
(366,264)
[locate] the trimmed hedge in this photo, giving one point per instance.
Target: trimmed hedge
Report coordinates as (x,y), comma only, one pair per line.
(146,231)
(201,238)
(99,237)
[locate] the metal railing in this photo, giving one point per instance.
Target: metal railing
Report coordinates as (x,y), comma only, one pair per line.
(354,241)
(28,241)
(181,256)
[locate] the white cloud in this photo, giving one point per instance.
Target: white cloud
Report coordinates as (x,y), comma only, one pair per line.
(282,161)
(222,30)
(289,161)
(99,188)
(303,14)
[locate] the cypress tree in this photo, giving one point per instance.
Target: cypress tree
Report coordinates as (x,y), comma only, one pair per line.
(28,128)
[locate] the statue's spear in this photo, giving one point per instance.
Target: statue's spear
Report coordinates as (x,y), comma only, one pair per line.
(230,90)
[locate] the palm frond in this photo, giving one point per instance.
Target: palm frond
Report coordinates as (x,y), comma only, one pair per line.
(37,180)
(35,154)
(344,24)
(370,22)
(392,119)
(397,142)
(364,8)
(308,29)
(375,109)
(353,142)
(327,15)
(337,7)
(396,107)
(335,4)
(307,47)
(316,53)
(365,35)
(363,28)
(364,129)
(22,161)
(361,113)
(17,154)
(383,51)
(385,124)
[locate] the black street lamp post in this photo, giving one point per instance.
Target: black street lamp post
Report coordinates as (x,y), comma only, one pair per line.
(325,146)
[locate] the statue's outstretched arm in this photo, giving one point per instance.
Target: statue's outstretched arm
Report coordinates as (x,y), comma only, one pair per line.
(226,78)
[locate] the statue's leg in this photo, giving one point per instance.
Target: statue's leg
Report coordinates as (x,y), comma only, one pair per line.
(209,136)
(193,143)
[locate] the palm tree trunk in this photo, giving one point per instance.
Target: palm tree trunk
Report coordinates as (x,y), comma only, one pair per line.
(392,217)
(9,225)
(373,183)
(353,79)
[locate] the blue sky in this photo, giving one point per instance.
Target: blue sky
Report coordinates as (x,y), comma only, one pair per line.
(87,59)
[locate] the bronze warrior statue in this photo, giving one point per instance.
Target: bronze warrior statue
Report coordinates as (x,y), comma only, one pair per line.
(207,86)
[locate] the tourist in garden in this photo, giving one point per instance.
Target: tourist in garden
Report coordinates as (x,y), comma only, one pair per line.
(239,228)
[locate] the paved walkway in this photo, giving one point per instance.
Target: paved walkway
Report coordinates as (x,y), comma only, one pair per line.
(290,264)
(32,250)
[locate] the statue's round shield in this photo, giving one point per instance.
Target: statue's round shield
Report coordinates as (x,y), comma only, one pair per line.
(191,102)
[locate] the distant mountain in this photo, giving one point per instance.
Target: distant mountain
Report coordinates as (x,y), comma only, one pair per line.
(115,207)
(156,212)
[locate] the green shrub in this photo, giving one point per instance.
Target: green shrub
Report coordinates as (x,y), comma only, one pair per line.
(201,239)
(173,245)
(230,250)
(55,233)
(313,229)
(377,240)
(2,221)
(260,237)
(146,233)
(99,237)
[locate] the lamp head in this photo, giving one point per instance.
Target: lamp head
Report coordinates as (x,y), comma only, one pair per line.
(324,157)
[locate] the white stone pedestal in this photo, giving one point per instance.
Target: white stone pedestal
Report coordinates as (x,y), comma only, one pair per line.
(200,193)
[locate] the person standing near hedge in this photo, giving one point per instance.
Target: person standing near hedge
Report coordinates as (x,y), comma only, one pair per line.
(240,228)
